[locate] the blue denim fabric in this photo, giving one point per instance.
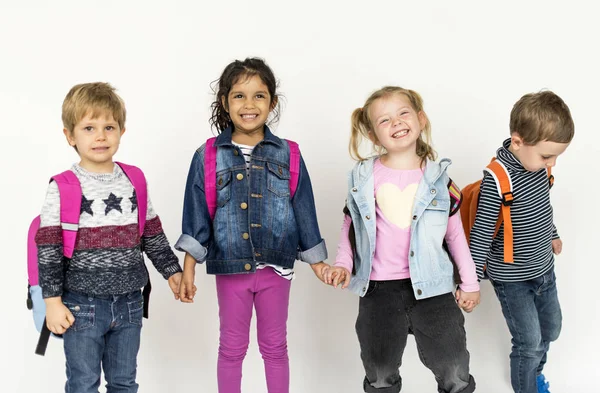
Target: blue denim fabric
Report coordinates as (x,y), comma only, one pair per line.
(534,318)
(431,270)
(272,228)
(106,334)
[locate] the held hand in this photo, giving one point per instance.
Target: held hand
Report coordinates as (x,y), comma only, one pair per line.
(337,275)
(319,269)
(175,283)
(467,300)
(187,289)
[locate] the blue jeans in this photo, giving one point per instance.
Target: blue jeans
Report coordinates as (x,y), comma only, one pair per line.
(106,334)
(533,315)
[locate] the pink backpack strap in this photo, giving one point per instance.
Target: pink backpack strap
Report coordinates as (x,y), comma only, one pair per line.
(69,189)
(210,176)
(137,178)
(294,166)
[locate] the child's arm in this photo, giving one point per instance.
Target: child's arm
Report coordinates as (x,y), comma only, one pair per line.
(311,244)
(156,246)
(51,264)
(482,232)
(340,273)
(467,295)
(196,222)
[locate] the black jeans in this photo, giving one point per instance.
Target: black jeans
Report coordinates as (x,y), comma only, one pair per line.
(388,313)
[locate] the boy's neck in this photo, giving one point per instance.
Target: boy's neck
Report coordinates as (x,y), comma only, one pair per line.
(92,167)
(401,161)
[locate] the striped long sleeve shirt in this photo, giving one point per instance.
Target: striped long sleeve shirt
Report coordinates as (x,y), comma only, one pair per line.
(533,227)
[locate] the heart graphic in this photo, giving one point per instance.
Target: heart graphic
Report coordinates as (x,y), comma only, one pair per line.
(396,204)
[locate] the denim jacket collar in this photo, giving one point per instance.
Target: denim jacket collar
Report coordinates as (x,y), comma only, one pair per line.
(224,138)
(364,169)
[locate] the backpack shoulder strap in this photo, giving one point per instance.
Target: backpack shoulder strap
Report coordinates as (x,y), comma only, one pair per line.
(294,166)
(455,197)
(504,185)
(210,176)
(69,189)
(140,186)
(550,177)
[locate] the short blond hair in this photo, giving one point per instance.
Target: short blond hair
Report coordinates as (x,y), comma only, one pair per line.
(542,116)
(362,124)
(92,98)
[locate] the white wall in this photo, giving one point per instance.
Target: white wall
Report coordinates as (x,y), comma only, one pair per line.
(471,60)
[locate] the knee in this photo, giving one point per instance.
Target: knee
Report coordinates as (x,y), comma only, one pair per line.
(273,349)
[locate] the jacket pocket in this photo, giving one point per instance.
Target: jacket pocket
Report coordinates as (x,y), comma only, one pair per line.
(223,188)
(278,181)
(436,213)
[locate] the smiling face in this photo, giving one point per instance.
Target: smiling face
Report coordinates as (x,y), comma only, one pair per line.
(249,104)
(96,140)
(395,123)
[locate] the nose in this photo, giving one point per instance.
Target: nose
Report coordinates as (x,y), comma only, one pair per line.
(248,103)
(101,135)
(396,121)
(551,162)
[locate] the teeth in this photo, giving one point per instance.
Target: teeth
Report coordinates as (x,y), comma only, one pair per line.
(399,134)
(248,116)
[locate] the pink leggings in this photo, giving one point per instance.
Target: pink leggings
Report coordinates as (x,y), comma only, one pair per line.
(270,294)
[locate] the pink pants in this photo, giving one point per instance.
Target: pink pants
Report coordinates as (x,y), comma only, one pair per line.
(270,294)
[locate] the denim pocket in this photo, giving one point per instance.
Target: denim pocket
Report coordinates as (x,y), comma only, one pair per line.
(84,315)
(278,180)
(436,213)
(136,312)
(223,188)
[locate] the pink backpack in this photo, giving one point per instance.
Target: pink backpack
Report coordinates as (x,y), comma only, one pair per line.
(210,172)
(70,209)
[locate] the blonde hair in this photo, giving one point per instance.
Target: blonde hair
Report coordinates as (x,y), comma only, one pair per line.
(94,99)
(542,116)
(362,127)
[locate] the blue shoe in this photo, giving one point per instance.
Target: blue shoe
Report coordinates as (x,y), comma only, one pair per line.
(542,384)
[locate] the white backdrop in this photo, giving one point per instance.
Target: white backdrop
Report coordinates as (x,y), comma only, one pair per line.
(470,60)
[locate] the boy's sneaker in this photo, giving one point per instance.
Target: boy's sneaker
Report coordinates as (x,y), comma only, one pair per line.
(542,384)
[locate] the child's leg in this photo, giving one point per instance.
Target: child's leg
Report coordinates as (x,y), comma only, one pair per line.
(518,302)
(549,314)
(438,326)
(236,296)
(84,343)
(271,302)
(123,343)
(382,330)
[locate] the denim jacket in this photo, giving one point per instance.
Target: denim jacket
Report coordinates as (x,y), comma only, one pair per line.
(256,220)
(431,270)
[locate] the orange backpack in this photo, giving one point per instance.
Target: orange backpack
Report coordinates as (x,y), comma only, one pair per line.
(505,191)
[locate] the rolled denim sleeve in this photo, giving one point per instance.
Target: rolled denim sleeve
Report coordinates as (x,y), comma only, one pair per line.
(312,247)
(196,222)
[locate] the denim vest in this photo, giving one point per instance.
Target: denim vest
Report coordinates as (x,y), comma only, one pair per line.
(256,220)
(431,270)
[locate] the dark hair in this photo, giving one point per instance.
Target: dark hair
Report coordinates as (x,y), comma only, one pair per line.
(232,74)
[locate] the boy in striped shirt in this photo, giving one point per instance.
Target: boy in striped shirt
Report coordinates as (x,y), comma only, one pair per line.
(541,129)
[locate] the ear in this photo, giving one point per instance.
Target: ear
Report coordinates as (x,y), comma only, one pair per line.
(516,141)
(274,103)
(123,131)
(69,136)
(422,119)
(224,103)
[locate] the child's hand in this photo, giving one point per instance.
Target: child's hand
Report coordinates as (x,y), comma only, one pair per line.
(336,275)
(467,300)
(319,269)
(187,289)
(58,317)
(556,246)
(174,284)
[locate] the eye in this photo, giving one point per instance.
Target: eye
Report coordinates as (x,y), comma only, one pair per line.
(383,121)
(88,128)
(260,96)
(546,157)
(237,96)
(110,128)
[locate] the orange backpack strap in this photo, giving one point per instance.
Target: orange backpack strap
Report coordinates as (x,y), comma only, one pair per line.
(504,185)
(550,177)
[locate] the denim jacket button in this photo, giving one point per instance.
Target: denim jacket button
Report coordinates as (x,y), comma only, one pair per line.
(419,292)
(414,217)
(368,217)
(76,308)
(433,191)
(247,266)
(245,236)
(239,176)
(354,189)
(235,152)
(434,203)
(412,253)
(244,205)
